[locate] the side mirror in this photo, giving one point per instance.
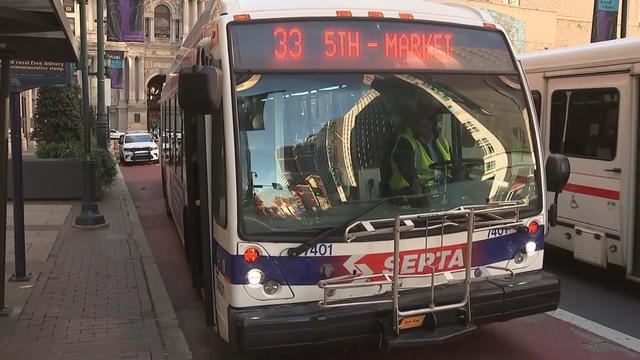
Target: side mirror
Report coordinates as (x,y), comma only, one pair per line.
(120,140)
(200,89)
(558,170)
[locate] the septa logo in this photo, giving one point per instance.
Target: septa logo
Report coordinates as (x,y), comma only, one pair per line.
(419,261)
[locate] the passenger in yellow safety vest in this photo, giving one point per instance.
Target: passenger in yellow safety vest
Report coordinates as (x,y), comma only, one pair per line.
(417,147)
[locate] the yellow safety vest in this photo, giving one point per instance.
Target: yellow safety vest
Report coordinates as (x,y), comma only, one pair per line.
(426,176)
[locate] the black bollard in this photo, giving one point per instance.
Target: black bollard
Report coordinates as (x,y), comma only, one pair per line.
(18,199)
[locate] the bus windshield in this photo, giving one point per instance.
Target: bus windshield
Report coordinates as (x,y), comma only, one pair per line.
(316,148)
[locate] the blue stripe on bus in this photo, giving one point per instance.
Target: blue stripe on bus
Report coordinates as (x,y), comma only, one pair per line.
(306,270)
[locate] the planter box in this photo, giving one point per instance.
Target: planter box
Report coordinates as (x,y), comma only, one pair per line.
(49,179)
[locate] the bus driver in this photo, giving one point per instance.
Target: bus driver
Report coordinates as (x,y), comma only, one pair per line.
(418,147)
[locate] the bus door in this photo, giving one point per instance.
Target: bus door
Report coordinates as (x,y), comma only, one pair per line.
(589,122)
(635,257)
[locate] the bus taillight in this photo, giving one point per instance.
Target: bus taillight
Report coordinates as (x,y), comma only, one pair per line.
(251,255)
(533,227)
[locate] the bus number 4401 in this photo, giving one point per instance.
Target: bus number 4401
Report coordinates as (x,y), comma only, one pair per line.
(320,250)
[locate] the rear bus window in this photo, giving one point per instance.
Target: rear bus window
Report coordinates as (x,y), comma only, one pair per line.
(584,123)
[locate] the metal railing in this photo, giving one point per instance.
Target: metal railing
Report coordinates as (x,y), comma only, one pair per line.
(466,218)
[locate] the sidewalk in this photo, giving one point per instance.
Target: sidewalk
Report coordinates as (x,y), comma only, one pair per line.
(94,294)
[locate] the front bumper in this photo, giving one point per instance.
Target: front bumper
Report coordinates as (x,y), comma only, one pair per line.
(305,324)
(140,156)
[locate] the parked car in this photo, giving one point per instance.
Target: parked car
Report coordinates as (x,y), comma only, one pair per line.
(138,147)
(115,134)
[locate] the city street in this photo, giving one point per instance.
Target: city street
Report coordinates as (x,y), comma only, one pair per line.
(587,292)
(353,180)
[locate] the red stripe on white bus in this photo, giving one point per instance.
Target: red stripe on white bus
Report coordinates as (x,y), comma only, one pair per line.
(593,191)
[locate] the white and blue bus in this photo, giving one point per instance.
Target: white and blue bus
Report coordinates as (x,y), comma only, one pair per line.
(281,123)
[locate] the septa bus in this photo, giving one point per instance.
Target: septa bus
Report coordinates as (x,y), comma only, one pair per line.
(587,100)
(283,119)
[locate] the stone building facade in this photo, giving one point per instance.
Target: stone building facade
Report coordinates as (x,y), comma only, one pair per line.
(532,25)
(166,24)
(550,24)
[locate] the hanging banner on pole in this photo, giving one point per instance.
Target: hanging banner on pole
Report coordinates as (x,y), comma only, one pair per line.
(116,69)
(125,19)
(605,20)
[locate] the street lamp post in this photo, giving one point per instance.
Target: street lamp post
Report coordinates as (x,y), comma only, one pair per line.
(102,120)
(89,216)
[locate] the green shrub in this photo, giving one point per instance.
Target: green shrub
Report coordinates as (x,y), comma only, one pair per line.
(58,150)
(105,165)
(57,116)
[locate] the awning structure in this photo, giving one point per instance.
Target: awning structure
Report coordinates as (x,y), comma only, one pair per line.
(36,30)
(30,30)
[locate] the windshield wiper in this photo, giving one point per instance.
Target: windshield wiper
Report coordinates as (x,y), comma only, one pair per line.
(296,251)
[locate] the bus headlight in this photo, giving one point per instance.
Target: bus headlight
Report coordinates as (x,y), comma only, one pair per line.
(255,276)
(271,287)
(530,247)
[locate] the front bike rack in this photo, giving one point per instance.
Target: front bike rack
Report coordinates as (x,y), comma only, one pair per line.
(470,219)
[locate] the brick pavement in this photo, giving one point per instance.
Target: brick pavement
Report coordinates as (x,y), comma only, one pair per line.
(91,299)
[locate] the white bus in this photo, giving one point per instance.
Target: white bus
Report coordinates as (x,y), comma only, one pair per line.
(587,100)
(283,122)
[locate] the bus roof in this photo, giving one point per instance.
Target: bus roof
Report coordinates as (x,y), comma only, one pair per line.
(430,8)
(612,52)
(442,11)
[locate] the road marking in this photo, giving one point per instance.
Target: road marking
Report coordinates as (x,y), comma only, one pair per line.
(610,334)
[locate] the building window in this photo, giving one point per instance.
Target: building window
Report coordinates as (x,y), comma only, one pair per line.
(69,5)
(136,118)
(490,166)
(584,123)
(471,127)
(162,23)
(147,29)
(486,146)
(177,31)
(72,24)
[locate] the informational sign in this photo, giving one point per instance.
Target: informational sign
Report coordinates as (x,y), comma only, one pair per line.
(125,19)
(34,74)
(69,5)
(367,45)
(605,20)
(116,69)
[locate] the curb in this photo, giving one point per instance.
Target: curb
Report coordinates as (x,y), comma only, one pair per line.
(175,344)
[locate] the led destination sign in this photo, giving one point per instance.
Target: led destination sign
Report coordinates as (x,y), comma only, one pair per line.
(367,45)
(348,44)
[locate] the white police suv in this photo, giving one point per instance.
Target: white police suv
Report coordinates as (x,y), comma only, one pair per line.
(138,147)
